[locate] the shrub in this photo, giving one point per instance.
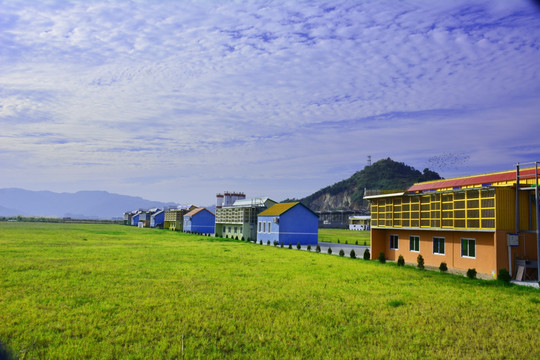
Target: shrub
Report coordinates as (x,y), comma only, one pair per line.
(338,241)
(401,261)
(260,242)
(298,246)
(318,249)
(356,243)
(365,243)
(352,254)
(268,242)
(346,242)
(367,255)
(341,253)
(420,261)
(309,248)
(290,245)
(504,275)
(471,273)
(443,267)
(330,251)
(382,259)
(281,244)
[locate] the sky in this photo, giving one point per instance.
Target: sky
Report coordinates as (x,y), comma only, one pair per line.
(180,100)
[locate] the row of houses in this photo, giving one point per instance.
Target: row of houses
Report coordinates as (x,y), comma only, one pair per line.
(486,222)
(257,219)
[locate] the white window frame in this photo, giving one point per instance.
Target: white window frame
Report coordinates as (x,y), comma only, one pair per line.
(444,245)
(396,238)
(468,247)
(410,243)
(269,226)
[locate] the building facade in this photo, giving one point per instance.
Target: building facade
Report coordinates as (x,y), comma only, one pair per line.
(359,222)
(199,221)
(174,218)
(239,221)
(288,224)
(486,222)
(157,219)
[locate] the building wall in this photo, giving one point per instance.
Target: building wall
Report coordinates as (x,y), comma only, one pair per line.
(485,260)
(297,225)
(135,220)
(201,222)
(157,219)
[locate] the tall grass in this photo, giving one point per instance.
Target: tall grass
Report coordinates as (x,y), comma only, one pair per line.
(109,291)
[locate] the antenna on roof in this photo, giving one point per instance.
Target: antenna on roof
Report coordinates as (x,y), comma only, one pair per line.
(369,160)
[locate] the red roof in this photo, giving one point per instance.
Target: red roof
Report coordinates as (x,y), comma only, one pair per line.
(471,180)
(195,211)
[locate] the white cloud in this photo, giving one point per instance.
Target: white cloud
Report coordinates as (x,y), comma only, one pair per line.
(242,92)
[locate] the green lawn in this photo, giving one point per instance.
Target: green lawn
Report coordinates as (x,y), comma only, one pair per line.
(71,291)
(344,235)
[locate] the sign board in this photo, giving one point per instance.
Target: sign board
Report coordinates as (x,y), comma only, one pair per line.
(512,239)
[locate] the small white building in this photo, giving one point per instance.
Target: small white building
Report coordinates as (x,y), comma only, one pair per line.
(359,222)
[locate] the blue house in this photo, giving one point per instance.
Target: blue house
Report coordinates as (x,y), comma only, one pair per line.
(157,219)
(288,223)
(199,220)
(135,219)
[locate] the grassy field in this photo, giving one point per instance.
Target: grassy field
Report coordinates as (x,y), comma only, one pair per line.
(72,291)
(344,235)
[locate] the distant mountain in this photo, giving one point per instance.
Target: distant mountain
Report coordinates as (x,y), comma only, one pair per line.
(385,174)
(79,205)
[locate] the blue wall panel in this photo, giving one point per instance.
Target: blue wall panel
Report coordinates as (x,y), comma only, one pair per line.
(297,225)
(202,222)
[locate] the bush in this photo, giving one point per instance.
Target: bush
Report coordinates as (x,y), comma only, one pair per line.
(367,255)
(504,275)
(290,245)
(365,243)
(356,243)
(352,254)
(346,242)
(443,267)
(260,242)
(471,273)
(268,242)
(281,244)
(298,246)
(338,241)
(341,253)
(401,261)
(330,251)
(309,248)
(275,243)
(318,249)
(382,259)
(420,261)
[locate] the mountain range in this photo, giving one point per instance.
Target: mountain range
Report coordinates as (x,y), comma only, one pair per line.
(385,174)
(79,205)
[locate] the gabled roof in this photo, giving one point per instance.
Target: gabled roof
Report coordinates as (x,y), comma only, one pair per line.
(197,210)
(279,209)
(503,178)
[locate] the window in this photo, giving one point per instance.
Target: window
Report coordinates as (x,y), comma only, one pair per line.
(394,242)
(269,227)
(229,229)
(235,229)
(264,227)
(414,243)
(260,226)
(468,248)
(438,245)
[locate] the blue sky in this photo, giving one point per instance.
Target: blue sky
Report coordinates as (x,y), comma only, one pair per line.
(180,100)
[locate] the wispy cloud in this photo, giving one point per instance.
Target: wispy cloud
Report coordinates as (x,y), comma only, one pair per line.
(277,98)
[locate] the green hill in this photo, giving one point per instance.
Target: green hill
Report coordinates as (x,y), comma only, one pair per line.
(385,174)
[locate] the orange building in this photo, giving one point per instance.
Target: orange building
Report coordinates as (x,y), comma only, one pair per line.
(486,222)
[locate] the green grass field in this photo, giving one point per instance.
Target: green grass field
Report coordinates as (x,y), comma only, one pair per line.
(344,235)
(111,291)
